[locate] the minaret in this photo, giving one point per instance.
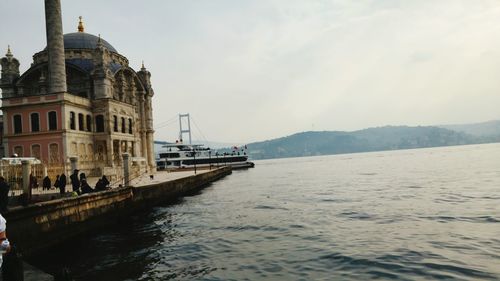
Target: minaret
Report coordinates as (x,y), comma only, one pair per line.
(10,72)
(55,47)
(145,75)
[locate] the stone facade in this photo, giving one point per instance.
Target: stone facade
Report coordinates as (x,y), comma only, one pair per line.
(94,106)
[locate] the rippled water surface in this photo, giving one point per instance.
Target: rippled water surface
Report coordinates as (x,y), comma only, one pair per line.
(410,215)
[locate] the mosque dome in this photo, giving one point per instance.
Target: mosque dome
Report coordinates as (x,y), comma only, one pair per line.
(82,40)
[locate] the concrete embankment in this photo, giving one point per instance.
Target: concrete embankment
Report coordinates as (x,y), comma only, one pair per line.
(42,225)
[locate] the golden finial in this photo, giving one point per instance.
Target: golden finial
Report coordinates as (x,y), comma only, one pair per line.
(142,65)
(80,25)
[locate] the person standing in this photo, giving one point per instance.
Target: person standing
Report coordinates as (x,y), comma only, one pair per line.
(56,183)
(62,184)
(75,181)
(4,195)
(46,183)
(4,243)
(105,181)
(33,182)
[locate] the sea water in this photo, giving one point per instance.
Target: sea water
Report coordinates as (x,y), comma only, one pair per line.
(410,215)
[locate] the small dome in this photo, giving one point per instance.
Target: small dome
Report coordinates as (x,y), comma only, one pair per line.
(82,40)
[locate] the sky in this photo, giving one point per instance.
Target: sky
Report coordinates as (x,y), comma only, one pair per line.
(257,70)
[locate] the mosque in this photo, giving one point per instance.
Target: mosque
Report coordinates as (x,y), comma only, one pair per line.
(80,98)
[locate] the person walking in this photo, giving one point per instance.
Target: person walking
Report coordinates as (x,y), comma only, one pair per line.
(75,181)
(4,195)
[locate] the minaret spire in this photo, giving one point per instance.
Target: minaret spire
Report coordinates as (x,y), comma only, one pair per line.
(80,25)
(9,53)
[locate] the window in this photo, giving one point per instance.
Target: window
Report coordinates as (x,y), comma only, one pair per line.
(99,123)
(130,125)
(90,152)
(18,124)
(52,121)
(18,150)
(80,122)
(35,151)
(115,123)
(81,151)
(53,153)
(89,123)
(35,122)
(123,125)
(72,125)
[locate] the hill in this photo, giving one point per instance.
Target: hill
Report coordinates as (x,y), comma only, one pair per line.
(484,129)
(372,139)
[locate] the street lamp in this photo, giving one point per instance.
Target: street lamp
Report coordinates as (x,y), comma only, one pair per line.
(209,159)
(194,160)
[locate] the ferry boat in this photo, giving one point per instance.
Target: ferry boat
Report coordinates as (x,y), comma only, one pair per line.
(180,156)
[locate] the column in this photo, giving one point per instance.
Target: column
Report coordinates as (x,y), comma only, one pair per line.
(26,177)
(109,152)
(126,172)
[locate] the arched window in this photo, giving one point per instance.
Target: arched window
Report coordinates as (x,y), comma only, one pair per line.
(89,123)
(19,151)
(130,126)
(99,123)
(81,151)
(115,123)
(72,124)
(52,121)
(35,122)
(35,151)
(90,152)
(80,122)
(18,124)
(54,153)
(123,125)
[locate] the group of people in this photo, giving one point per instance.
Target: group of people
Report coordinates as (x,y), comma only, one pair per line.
(80,185)
(78,182)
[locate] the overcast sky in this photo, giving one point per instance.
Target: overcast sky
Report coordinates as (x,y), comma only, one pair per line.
(255,70)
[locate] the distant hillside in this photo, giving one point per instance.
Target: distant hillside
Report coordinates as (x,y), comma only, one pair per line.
(484,129)
(372,139)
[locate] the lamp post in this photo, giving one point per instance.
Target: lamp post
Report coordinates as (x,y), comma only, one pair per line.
(210,159)
(194,160)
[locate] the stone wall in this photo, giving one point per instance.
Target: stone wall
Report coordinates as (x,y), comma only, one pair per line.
(43,225)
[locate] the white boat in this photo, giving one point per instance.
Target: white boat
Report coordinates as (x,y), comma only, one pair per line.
(182,156)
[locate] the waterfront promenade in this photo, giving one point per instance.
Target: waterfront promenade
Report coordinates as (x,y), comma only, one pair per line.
(42,225)
(160,176)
